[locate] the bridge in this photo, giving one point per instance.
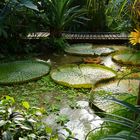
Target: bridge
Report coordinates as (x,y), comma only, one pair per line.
(84,36)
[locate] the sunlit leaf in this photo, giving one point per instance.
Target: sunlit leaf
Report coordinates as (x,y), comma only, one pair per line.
(25,127)
(26,105)
(31,120)
(81,76)
(25,138)
(128,58)
(10,98)
(32,136)
(48,130)
(2,122)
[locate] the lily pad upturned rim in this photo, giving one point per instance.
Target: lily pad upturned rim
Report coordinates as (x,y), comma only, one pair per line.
(82,85)
(67,50)
(121,62)
(48,66)
(102,92)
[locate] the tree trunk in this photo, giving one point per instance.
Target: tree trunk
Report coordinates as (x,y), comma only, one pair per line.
(54,33)
(138,96)
(136,115)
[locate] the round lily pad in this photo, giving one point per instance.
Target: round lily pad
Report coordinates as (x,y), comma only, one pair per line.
(81,76)
(128,58)
(88,50)
(123,89)
(22,71)
(119,86)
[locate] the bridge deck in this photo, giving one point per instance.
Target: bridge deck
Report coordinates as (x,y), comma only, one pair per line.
(83,35)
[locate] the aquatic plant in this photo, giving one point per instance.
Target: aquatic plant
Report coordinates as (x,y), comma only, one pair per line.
(117,126)
(81,76)
(127,58)
(22,71)
(87,49)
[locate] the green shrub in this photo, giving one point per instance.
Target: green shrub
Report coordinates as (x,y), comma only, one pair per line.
(124,125)
(25,123)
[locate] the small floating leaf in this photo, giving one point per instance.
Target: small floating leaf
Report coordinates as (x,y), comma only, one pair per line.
(101,95)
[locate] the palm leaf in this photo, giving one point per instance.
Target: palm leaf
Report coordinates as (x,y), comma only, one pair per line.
(61,13)
(133,126)
(127,105)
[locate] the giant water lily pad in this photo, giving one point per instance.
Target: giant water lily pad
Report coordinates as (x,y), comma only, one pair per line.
(22,71)
(81,76)
(128,58)
(122,90)
(88,50)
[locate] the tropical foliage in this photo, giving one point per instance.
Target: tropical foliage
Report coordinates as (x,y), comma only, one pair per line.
(132,126)
(122,124)
(24,123)
(121,15)
(96,14)
(60,14)
(20,17)
(13,15)
(117,15)
(135,8)
(17,19)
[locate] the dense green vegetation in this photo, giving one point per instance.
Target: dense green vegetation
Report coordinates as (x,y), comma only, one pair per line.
(45,88)
(18,18)
(122,123)
(23,123)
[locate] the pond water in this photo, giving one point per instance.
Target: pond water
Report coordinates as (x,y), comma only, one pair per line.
(64,58)
(83,120)
(75,103)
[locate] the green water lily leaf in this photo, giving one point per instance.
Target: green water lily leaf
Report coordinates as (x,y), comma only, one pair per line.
(81,76)
(89,49)
(122,90)
(22,71)
(128,58)
(119,86)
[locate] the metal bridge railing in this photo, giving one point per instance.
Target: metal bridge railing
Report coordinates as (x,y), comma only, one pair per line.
(83,35)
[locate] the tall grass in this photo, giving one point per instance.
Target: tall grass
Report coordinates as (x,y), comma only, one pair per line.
(122,124)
